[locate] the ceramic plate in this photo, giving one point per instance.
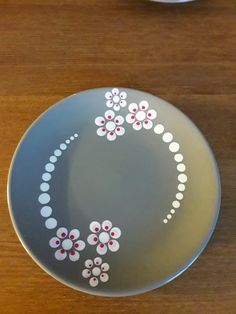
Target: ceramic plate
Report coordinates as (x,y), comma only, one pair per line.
(113,191)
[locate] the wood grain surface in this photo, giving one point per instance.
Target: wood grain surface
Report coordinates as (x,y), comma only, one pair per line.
(186,54)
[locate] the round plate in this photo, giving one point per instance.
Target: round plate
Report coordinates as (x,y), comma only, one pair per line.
(114,191)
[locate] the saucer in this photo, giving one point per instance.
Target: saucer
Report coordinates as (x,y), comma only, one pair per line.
(113,191)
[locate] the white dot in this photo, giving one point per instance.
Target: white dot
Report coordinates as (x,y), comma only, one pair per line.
(63,146)
(44,187)
(72,138)
(179,157)
(174,147)
(181,187)
(46,176)
(165,221)
(182,178)
(159,128)
(176,204)
(49,167)
(116,99)
(57,152)
(44,198)
(46,211)
(181,167)
(50,223)
(67,141)
(53,158)
(172,211)
(67,244)
(167,137)
(104,237)
(76,135)
(141,115)
(179,196)
(96,271)
(110,126)
(169,216)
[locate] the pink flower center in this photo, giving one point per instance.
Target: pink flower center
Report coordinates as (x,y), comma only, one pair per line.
(76,245)
(62,251)
(72,252)
(101,245)
(111,133)
(146,122)
(143,107)
(72,237)
(95,238)
(96,229)
(63,234)
(111,242)
(109,117)
(57,242)
(112,234)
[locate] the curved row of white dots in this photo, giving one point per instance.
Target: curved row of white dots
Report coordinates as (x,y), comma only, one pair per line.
(174,147)
(44,198)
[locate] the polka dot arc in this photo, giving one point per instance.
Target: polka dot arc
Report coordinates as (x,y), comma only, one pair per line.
(44,198)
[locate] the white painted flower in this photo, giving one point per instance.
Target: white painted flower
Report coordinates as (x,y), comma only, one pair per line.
(104,236)
(67,244)
(140,117)
(110,125)
(116,99)
(96,271)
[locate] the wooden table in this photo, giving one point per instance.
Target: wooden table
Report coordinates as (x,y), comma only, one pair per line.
(184,53)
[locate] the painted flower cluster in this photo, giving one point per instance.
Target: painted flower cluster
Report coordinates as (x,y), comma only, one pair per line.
(96,271)
(112,125)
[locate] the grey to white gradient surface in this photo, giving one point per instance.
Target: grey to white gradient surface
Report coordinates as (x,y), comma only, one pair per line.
(131,181)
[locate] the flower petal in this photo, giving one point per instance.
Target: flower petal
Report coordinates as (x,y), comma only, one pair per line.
(99,121)
(119,120)
(137,125)
(151,114)
(111,136)
(74,256)
(115,91)
(105,267)
(115,233)
(92,239)
(95,226)
(98,261)
(130,118)
(108,95)
(143,105)
(120,131)
(101,249)
(106,225)
(147,124)
(113,245)
(60,254)
(123,103)
(93,282)
(86,273)
(62,232)
(109,103)
(104,277)
(133,107)
(54,242)
(74,234)
(123,95)
(88,263)
(80,245)
(116,107)
(109,114)
(101,131)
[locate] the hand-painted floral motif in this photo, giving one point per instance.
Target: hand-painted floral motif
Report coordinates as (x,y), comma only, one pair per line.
(140,117)
(96,271)
(116,99)
(67,244)
(110,125)
(104,236)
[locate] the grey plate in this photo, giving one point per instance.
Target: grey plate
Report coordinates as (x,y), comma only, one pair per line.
(114,191)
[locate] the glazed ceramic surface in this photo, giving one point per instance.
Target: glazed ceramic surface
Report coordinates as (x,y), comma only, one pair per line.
(114,191)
